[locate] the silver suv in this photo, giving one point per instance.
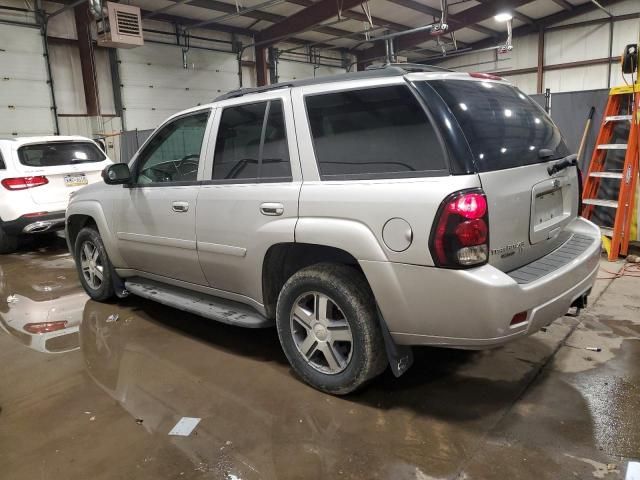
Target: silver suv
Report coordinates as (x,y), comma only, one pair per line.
(359,214)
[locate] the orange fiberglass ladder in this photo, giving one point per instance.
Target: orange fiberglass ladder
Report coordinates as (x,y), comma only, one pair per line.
(622,106)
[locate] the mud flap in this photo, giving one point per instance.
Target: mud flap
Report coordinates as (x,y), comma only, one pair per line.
(400,356)
(118,284)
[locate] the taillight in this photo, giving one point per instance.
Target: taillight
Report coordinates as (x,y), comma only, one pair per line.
(45,327)
(22,183)
(460,234)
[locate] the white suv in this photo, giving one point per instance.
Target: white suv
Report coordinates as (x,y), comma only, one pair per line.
(37,176)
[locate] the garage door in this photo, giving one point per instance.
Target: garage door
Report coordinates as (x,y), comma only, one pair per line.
(288,71)
(25,98)
(155,86)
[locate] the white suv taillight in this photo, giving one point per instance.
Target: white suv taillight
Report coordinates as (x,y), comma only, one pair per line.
(460,234)
(22,183)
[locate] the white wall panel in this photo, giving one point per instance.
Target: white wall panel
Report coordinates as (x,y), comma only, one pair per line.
(288,70)
(526,82)
(156,86)
(67,79)
(580,78)
(25,100)
(578,43)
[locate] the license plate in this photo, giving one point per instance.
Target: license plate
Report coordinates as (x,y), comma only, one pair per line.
(549,206)
(76,180)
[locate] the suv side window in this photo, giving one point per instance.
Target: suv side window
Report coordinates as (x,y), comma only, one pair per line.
(2,165)
(173,154)
(252,144)
(380,132)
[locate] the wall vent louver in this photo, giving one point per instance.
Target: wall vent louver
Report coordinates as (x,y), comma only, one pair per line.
(121,28)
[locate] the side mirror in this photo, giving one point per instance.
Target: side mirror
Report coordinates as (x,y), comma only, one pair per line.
(116,174)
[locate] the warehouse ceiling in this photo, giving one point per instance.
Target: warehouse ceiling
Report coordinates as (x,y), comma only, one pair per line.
(351,24)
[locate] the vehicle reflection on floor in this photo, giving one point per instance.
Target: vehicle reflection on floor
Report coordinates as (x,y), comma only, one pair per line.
(40,303)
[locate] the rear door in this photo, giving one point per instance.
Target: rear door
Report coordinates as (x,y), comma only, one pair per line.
(513,142)
(249,198)
(68,166)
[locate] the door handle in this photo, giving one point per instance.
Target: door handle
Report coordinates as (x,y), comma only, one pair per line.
(272,209)
(180,207)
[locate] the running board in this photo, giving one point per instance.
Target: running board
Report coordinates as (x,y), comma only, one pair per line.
(208,306)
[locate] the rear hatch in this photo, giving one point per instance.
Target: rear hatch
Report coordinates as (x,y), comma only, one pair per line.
(513,142)
(67,165)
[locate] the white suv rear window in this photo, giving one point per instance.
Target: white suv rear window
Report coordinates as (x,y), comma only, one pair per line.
(59,153)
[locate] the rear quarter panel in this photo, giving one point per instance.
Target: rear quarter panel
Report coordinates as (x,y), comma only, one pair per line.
(366,206)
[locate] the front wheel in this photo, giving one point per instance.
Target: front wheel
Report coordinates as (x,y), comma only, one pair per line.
(328,328)
(94,267)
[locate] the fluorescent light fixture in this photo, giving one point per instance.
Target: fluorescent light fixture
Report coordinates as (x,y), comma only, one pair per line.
(503,17)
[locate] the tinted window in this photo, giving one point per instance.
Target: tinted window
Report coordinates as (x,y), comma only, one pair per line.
(238,142)
(503,126)
(374,132)
(2,165)
(247,147)
(59,153)
(275,151)
(173,154)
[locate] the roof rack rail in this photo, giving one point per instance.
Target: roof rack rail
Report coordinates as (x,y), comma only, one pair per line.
(244,91)
(385,70)
(410,67)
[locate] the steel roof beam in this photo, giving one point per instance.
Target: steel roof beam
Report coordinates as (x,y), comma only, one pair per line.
(303,20)
(463,19)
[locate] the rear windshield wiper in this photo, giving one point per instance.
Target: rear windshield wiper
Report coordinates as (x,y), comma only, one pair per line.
(568,161)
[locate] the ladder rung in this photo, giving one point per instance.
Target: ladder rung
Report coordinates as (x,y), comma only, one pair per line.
(608,231)
(601,203)
(617,118)
(606,174)
(612,146)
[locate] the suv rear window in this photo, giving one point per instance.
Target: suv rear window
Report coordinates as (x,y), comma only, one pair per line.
(59,153)
(504,127)
(373,133)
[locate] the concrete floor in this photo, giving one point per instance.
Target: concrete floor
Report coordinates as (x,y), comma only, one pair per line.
(98,399)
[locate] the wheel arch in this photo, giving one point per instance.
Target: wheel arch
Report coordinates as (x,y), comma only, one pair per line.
(282,260)
(85,213)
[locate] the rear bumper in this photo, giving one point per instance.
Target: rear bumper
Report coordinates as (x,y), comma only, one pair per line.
(28,225)
(473,308)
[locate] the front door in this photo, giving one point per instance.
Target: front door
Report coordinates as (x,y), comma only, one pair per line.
(249,198)
(156,228)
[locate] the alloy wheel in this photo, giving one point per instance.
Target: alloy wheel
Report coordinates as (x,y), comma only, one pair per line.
(91,265)
(321,333)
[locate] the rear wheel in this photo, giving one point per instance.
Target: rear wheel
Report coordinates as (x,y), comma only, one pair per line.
(8,243)
(94,267)
(328,328)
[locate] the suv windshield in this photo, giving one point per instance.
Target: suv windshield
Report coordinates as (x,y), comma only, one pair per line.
(59,153)
(504,127)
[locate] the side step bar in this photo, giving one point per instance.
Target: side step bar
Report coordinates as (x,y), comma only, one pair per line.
(208,306)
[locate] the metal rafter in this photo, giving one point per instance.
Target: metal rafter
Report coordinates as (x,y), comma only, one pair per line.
(434,12)
(543,23)
(463,19)
(303,20)
(354,15)
(564,4)
(229,8)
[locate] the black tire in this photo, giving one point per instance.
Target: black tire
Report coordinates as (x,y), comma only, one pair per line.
(347,289)
(103,291)
(8,243)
